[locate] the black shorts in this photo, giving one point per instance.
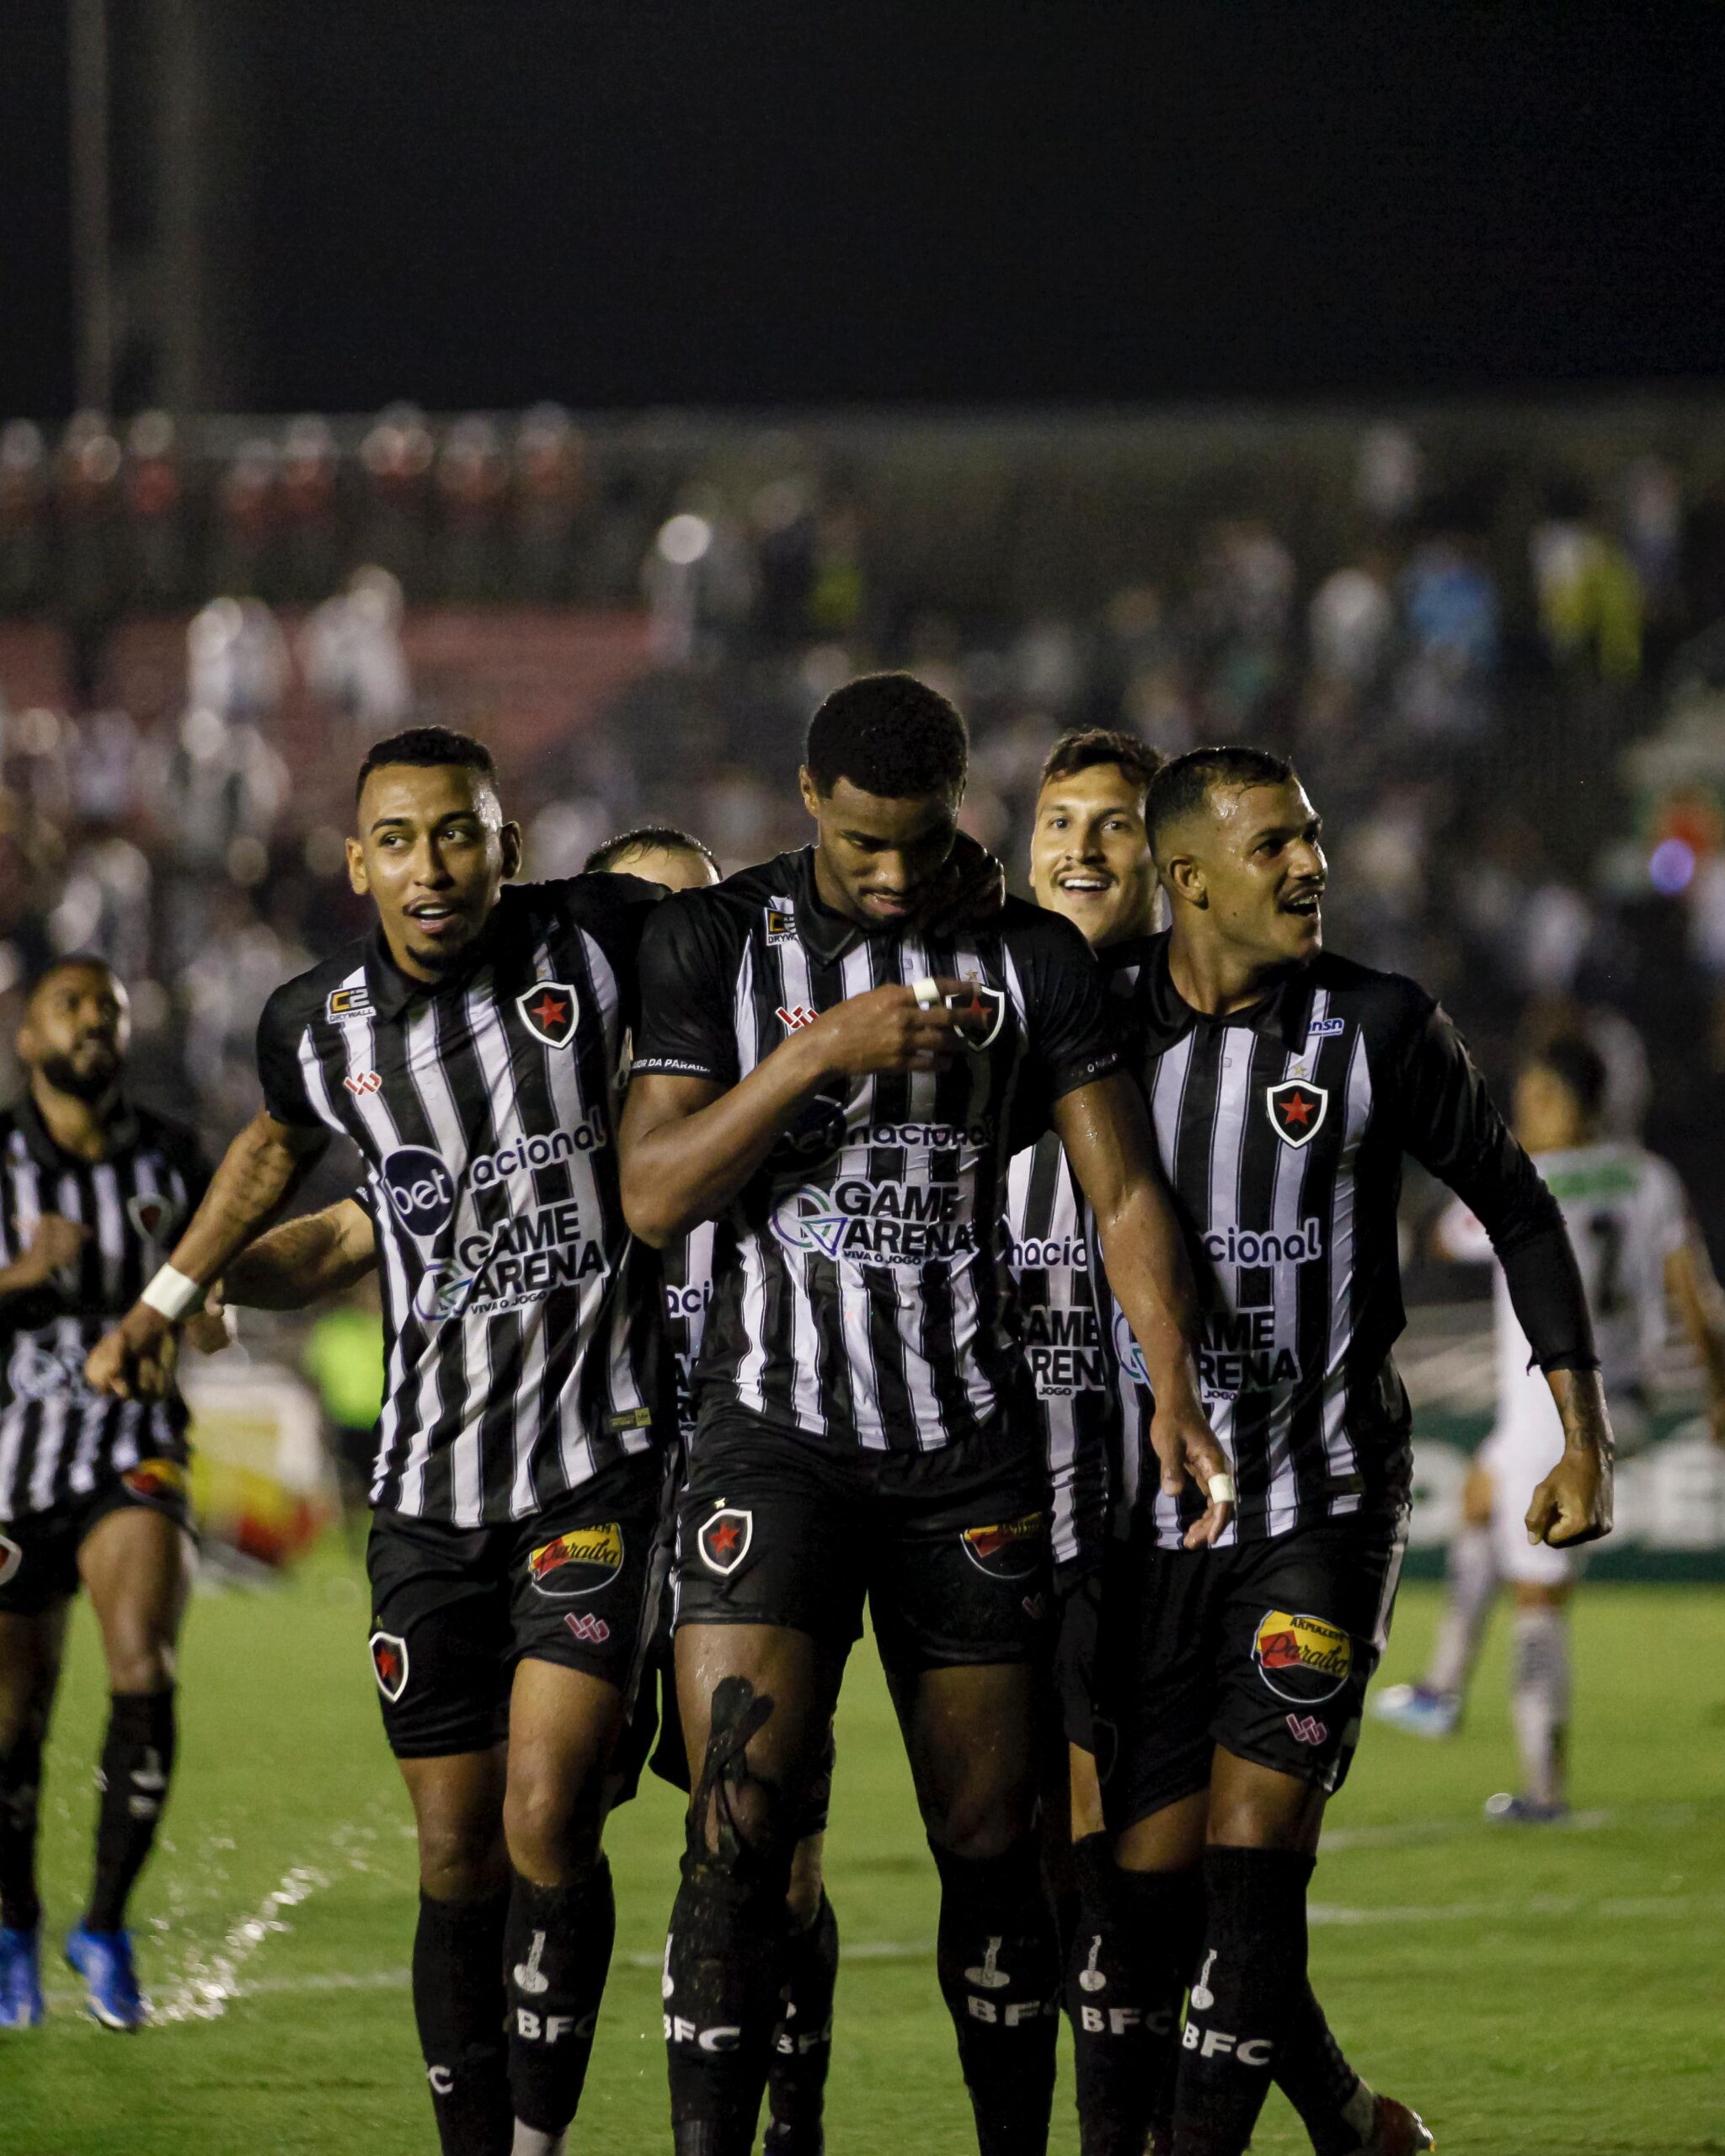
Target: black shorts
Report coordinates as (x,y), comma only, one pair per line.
(38,1551)
(454,1609)
(1265,1650)
(950,1549)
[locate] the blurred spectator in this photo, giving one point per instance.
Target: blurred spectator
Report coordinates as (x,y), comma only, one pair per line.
(248,523)
(1589,595)
(1451,612)
(351,651)
(155,503)
(395,461)
(473,483)
(24,516)
(235,661)
(311,509)
(1387,475)
(547,483)
(89,505)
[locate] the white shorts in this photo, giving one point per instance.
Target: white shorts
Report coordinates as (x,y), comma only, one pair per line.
(1518,1459)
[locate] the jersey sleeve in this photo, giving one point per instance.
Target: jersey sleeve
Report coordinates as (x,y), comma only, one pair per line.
(279,1031)
(1450,1124)
(614,910)
(690,958)
(1074,1031)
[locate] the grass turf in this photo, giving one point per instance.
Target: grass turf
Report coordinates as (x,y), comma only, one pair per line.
(1535,1992)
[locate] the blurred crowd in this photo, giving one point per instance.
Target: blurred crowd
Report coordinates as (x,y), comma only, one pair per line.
(1505,687)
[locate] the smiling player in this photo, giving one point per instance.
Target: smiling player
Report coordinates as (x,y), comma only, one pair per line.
(471,1048)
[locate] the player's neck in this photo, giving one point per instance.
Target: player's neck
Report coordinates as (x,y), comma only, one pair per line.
(1217,980)
(79,1127)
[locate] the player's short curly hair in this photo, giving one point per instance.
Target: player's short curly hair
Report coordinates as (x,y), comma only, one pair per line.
(891,735)
(1184,785)
(1083,748)
(427,747)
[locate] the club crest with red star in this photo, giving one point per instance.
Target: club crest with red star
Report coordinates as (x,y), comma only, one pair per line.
(389,1662)
(152,1212)
(1297,1108)
(725,1539)
(548,1010)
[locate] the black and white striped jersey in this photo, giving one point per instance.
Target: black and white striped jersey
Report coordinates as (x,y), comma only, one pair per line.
(1064,1312)
(524,1326)
(59,1439)
(1281,1130)
(858,1278)
(688,1290)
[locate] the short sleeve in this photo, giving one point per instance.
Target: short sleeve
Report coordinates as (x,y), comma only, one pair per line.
(1074,1031)
(613,909)
(279,1031)
(689,962)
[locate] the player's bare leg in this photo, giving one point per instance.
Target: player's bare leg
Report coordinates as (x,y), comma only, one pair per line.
(972,1737)
(458,1994)
(137,1566)
(31,1647)
(755,1702)
(562,1730)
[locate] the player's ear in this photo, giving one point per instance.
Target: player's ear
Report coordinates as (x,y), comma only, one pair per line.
(510,838)
(358,878)
(809,792)
(1183,878)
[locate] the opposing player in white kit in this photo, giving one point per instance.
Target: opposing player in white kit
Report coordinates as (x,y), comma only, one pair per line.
(1638,1251)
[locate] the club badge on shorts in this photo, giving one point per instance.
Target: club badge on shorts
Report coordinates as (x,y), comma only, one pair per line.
(11,1557)
(548,1010)
(389,1664)
(1302,1659)
(1296,1108)
(724,1538)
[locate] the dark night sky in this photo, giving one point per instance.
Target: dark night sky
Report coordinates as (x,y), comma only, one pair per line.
(482,204)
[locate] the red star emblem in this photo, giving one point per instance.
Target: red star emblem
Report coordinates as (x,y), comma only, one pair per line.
(1296,1108)
(550,1010)
(725,1539)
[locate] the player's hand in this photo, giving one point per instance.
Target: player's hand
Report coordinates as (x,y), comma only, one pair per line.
(210,1329)
(1573,1504)
(969,891)
(887,1030)
(54,1242)
(1185,1447)
(135,1361)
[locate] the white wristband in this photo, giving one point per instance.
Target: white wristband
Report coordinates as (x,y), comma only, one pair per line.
(926,992)
(174,1294)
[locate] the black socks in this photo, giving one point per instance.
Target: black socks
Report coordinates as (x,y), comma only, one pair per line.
(802,2043)
(999,1961)
(1126,1971)
(556,1955)
(137,1764)
(458,2002)
(1251,1977)
(21,1786)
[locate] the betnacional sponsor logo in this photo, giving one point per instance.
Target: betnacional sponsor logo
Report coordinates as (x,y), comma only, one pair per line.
(1050,1254)
(577,1563)
(420,1186)
(1232,1246)
(1301,1659)
(1013,1550)
(389,1664)
(158,1481)
(887,1224)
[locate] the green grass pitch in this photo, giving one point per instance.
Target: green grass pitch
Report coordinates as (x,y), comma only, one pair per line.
(1539,1993)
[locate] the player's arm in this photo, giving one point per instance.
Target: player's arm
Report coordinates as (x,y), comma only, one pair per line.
(1694,1293)
(1105,1133)
(300,1261)
(694,1129)
(1452,1125)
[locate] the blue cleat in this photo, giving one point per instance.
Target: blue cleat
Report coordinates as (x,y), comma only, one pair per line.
(103,1959)
(1418,1710)
(20,1980)
(1525,1811)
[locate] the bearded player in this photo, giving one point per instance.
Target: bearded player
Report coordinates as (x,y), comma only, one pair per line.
(839,1085)
(1090,860)
(93,1493)
(1285,1085)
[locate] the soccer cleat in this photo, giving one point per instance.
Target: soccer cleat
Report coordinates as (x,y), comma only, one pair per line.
(103,1959)
(1525,1811)
(20,1980)
(1396,2131)
(1418,1710)
(782,2140)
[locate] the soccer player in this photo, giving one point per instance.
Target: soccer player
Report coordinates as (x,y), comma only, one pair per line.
(802,2042)
(1634,1240)
(1090,860)
(93,1493)
(471,1048)
(1285,1085)
(839,1083)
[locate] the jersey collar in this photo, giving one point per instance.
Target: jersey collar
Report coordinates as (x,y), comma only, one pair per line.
(1281,1014)
(828,935)
(393,990)
(121,1135)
